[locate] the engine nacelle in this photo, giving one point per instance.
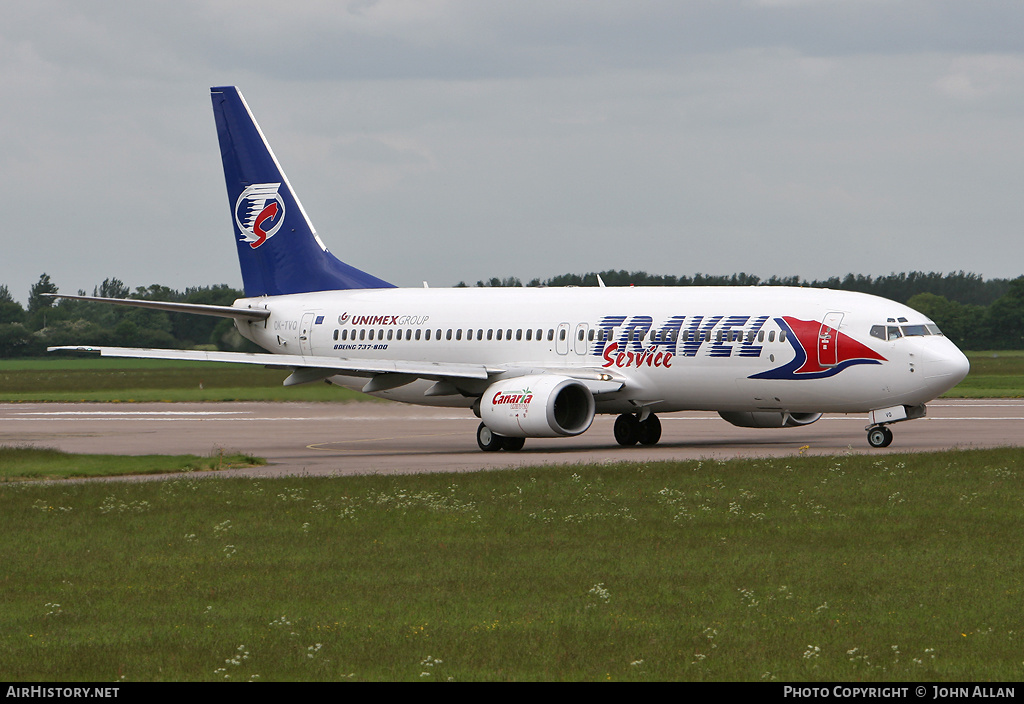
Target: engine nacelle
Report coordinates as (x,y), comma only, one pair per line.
(768,419)
(537,406)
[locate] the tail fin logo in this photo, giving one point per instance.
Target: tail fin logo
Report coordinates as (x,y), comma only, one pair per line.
(259,213)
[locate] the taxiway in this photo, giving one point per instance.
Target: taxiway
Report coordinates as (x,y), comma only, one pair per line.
(389,438)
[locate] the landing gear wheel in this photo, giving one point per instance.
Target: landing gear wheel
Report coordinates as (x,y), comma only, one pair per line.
(879,436)
(487,439)
(512,444)
(627,430)
(650,430)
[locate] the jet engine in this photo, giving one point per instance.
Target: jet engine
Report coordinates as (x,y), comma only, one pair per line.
(768,419)
(537,406)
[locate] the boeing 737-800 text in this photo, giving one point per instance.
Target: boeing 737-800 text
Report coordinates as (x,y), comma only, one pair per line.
(541,362)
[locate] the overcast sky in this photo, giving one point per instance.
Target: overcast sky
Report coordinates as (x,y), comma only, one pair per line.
(448,140)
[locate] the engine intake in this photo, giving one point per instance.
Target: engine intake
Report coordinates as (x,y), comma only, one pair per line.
(537,406)
(768,419)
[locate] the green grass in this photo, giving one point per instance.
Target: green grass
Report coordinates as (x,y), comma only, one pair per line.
(993,375)
(18,463)
(861,568)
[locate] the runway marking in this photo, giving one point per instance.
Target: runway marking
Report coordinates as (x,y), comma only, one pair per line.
(129,413)
(210,415)
(978,418)
(975,405)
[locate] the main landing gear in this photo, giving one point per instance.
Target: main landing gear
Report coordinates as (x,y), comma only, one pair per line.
(489,441)
(630,430)
(879,436)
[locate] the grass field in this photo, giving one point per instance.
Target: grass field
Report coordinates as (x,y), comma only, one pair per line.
(68,378)
(20,463)
(856,568)
(993,375)
(865,568)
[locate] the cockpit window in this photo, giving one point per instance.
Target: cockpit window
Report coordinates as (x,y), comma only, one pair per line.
(892,332)
(887,332)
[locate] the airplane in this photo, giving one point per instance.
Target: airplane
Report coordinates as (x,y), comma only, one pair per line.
(542,362)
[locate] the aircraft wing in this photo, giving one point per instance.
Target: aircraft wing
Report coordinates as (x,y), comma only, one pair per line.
(328,365)
(385,373)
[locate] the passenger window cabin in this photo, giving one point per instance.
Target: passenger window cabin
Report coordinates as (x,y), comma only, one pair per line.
(895,329)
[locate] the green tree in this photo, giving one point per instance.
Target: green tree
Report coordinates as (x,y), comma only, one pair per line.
(111,288)
(964,324)
(495,282)
(14,340)
(199,329)
(10,310)
(1005,319)
(38,304)
(36,300)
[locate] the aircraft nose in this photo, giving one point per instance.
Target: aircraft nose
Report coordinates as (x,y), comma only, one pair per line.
(945,367)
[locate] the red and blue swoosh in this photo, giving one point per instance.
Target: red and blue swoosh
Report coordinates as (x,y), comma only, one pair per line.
(802,335)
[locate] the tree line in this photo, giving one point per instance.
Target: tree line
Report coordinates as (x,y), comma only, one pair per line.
(47,322)
(975,313)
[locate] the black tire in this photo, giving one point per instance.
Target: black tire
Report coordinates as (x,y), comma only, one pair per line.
(512,444)
(627,430)
(879,436)
(650,430)
(487,439)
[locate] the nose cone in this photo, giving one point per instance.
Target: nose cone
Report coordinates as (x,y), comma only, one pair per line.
(944,367)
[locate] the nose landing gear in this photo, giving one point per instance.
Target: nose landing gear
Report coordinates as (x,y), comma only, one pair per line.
(879,436)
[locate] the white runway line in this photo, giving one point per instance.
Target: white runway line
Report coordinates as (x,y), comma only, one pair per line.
(129,413)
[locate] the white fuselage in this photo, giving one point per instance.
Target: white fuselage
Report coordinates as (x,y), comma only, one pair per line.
(691,348)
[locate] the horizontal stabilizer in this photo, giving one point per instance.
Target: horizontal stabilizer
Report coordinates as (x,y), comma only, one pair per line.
(195,308)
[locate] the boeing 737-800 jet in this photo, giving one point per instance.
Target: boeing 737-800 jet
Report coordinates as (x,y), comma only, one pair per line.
(541,362)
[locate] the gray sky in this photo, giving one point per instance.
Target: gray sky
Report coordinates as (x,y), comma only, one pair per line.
(454,140)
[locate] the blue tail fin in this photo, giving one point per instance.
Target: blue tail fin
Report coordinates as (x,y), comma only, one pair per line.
(278,249)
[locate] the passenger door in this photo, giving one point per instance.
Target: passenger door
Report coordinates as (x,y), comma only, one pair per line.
(828,340)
